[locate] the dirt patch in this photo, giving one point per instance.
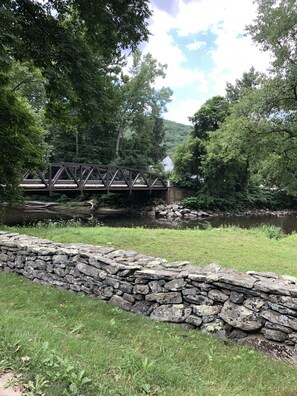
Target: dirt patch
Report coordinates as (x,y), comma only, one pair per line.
(7,387)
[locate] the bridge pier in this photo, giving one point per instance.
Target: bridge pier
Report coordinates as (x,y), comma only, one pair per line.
(176,194)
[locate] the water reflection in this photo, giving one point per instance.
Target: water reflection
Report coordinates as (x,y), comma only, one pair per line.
(14,216)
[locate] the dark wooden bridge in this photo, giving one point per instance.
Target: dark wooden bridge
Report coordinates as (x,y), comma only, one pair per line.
(67,176)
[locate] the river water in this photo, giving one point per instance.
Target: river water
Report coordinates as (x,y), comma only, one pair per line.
(14,216)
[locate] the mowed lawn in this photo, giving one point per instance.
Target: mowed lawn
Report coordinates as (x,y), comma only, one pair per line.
(237,248)
(65,342)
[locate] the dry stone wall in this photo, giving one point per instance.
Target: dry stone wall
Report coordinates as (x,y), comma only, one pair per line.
(256,309)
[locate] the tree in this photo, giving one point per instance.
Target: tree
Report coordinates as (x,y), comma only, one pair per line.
(21,137)
(188,170)
(138,99)
(188,158)
(271,112)
(275,30)
(209,117)
(249,81)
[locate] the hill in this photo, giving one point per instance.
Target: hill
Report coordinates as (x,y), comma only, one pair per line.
(175,134)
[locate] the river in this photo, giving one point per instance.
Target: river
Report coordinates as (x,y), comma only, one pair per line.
(16,216)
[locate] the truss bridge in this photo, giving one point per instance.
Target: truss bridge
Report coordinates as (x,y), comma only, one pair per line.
(68,176)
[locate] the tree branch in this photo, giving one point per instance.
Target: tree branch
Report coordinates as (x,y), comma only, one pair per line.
(26,80)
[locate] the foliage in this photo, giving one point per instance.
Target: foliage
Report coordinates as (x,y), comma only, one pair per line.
(272,232)
(62,58)
(257,198)
(113,200)
(21,136)
(189,156)
(140,106)
(248,82)
(209,117)
(251,135)
(187,163)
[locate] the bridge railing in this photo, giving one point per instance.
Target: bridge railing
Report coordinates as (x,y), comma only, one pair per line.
(91,177)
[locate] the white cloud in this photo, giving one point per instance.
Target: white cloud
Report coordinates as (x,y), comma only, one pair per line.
(195,45)
(232,54)
(181,110)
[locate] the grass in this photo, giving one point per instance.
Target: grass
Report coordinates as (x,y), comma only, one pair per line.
(57,338)
(68,344)
(260,249)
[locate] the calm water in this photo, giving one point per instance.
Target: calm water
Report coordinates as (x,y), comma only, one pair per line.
(13,216)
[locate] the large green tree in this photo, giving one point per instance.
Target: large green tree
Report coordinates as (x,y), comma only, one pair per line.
(267,118)
(138,99)
(209,117)
(188,158)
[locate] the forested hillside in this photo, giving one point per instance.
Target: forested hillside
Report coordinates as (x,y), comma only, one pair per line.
(175,134)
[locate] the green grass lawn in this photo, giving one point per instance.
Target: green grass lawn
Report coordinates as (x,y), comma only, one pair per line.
(65,342)
(231,247)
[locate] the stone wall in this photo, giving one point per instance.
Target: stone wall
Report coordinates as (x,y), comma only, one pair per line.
(256,309)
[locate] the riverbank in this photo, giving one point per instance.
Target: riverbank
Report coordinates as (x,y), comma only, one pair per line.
(157,216)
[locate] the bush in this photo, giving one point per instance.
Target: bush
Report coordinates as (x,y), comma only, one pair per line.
(258,198)
(272,232)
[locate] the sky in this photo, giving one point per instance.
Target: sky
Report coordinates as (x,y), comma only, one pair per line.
(203,44)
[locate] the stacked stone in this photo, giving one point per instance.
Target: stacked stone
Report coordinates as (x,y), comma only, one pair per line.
(258,309)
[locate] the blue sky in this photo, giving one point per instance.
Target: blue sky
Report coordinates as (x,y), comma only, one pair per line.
(203,44)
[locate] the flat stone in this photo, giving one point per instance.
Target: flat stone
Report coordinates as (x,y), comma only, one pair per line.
(217,295)
(240,317)
(277,318)
(237,279)
(141,289)
(198,277)
(237,334)
(195,320)
(273,286)
(143,308)
(217,328)
(170,313)
(290,302)
(175,285)
(165,298)
(274,335)
(274,326)
(196,298)
(263,274)
(120,302)
(206,310)
(281,309)
(293,337)
(236,298)
(155,274)
(60,259)
(155,286)
(255,304)
(88,270)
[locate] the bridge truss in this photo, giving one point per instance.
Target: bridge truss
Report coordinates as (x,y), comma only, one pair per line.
(68,176)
